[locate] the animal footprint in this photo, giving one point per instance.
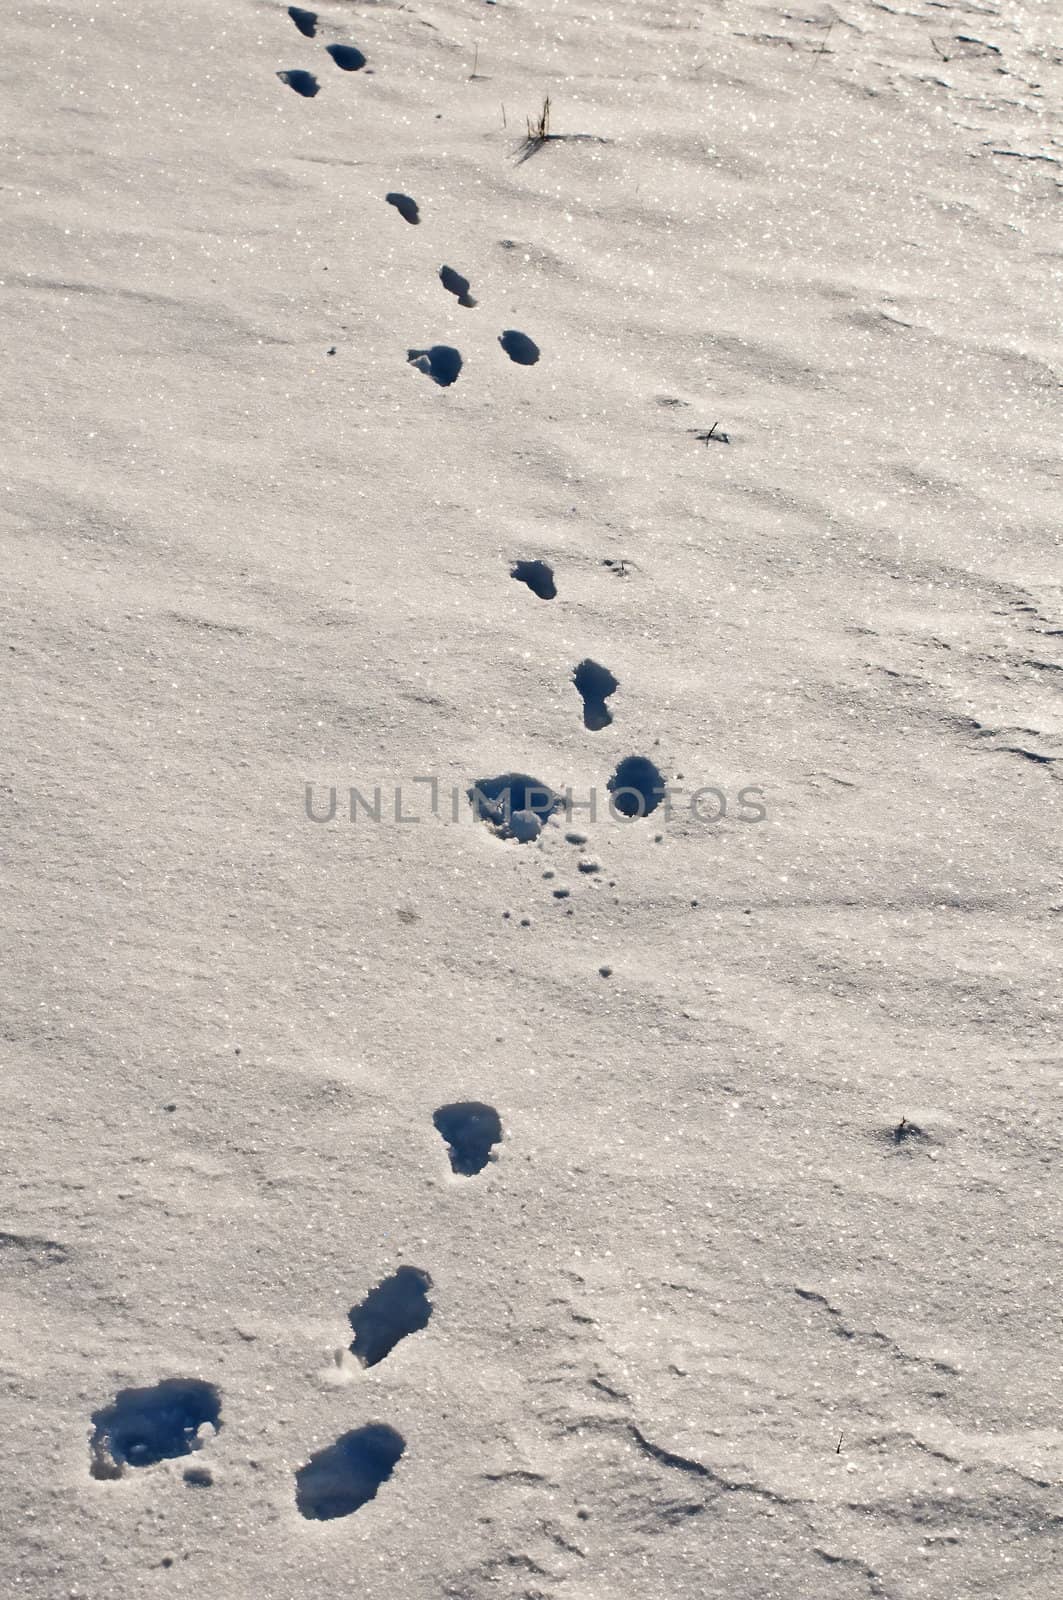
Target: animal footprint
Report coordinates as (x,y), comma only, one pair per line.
(538,576)
(519,348)
(305,21)
(637,787)
(346,57)
(441,363)
(407,209)
(395,1308)
(455,284)
(346,1475)
(470,1131)
(303,83)
(595,684)
(143,1426)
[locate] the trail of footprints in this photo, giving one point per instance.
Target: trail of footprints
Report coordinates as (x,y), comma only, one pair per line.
(517,806)
(345,56)
(441,363)
(636,785)
(514,805)
(179,1416)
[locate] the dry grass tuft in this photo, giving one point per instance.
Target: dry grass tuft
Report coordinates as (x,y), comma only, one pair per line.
(539,132)
(539,135)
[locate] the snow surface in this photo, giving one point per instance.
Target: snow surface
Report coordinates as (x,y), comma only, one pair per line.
(757,1296)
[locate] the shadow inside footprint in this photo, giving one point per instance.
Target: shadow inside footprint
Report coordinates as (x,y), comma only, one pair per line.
(595,684)
(305,21)
(519,348)
(303,83)
(441,363)
(346,56)
(538,576)
(395,1308)
(636,787)
(143,1426)
(346,1475)
(470,1131)
(457,285)
(407,209)
(514,805)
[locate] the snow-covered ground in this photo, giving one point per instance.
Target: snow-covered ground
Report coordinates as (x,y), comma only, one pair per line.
(757,1294)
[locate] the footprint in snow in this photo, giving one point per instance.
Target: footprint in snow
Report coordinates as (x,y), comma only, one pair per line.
(144,1426)
(303,83)
(346,57)
(389,1313)
(441,363)
(595,684)
(305,21)
(538,575)
(407,209)
(636,788)
(519,348)
(345,1476)
(456,285)
(470,1130)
